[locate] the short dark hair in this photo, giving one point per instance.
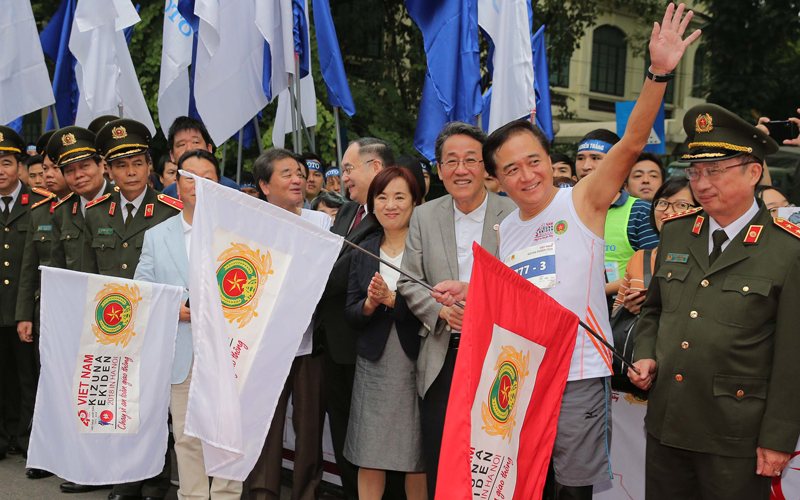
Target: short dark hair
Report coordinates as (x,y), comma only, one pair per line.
(162,163)
(330,199)
(201,154)
(33,160)
(760,191)
(655,158)
(670,187)
(457,128)
(601,134)
(506,132)
(182,123)
(562,158)
(264,166)
(413,164)
(376,147)
(383,179)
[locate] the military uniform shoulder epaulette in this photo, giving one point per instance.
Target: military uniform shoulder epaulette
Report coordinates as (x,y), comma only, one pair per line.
(169,200)
(61,201)
(787,226)
(43,192)
(685,213)
(41,202)
(98,200)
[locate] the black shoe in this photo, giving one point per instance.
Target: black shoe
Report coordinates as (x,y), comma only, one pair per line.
(14,449)
(123,497)
(37,473)
(70,487)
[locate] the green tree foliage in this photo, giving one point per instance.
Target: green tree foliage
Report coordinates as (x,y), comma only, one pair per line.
(753,57)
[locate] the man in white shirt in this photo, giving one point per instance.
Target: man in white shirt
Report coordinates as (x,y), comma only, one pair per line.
(165,259)
(279,176)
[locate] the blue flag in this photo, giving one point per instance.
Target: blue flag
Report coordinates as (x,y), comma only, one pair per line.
(541,84)
(55,44)
(300,31)
(330,59)
(16,125)
(452,83)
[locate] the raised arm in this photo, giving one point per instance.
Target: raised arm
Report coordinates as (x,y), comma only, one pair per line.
(595,193)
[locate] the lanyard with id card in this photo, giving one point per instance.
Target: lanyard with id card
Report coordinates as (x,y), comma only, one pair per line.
(536,264)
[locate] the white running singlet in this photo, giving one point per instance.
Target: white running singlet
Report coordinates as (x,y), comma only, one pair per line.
(560,255)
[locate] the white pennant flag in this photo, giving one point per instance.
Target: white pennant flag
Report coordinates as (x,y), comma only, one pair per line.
(230,60)
(105,73)
(24,80)
(275,20)
(283,117)
(257,273)
(106,347)
(513,95)
(176,56)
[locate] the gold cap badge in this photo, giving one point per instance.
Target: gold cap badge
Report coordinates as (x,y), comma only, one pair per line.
(1,137)
(704,123)
(68,139)
(119,132)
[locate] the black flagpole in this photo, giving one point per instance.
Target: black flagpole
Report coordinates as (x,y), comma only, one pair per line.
(459,304)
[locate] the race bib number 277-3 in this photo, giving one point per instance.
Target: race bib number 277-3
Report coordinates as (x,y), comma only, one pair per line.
(536,264)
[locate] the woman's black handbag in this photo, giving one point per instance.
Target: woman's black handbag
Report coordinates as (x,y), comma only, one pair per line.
(623,327)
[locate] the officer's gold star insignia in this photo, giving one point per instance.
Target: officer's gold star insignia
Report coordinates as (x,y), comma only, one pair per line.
(787,226)
(704,123)
(119,132)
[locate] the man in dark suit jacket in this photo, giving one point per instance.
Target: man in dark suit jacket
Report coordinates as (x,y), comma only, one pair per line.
(362,161)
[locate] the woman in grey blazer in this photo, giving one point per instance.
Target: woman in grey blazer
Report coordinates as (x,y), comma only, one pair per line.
(384,431)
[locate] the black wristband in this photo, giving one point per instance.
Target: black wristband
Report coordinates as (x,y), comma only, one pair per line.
(659,78)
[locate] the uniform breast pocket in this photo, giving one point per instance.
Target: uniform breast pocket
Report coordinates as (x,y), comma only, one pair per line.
(138,242)
(744,301)
(738,406)
(671,280)
(43,239)
(103,247)
(70,240)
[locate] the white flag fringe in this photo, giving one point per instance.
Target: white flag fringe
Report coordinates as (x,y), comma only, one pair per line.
(513,95)
(106,349)
(105,73)
(24,80)
(257,273)
(230,59)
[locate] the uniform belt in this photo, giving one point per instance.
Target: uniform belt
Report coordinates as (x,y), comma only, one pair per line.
(455,338)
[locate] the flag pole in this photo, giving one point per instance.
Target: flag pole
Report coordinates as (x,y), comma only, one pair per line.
(338,137)
(459,304)
(239,159)
(54,115)
(292,79)
(258,135)
(298,102)
(224,152)
(119,108)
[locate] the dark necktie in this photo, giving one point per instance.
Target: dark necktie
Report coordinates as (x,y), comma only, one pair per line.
(129,218)
(719,238)
(6,207)
(359,216)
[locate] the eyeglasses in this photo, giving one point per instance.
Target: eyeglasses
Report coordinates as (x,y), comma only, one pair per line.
(678,206)
(774,210)
(470,163)
(693,173)
(349,168)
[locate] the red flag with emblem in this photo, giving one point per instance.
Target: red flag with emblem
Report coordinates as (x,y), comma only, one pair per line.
(512,367)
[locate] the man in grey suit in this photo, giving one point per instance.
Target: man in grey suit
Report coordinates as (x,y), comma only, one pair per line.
(439,247)
(165,259)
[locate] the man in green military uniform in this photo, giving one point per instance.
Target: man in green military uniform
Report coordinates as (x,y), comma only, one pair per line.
(82,169)
(117,221)
(15,202)
(717,339)
(115,227)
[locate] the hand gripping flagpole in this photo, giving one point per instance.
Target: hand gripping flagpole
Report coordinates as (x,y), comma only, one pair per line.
(459,304)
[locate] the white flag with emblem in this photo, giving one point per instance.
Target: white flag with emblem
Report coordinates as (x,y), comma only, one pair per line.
(257,273)
(106,351)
